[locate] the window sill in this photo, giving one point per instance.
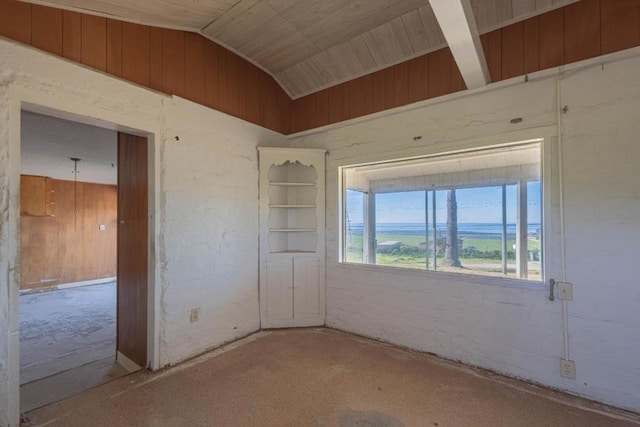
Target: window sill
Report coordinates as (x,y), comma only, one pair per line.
(472,279)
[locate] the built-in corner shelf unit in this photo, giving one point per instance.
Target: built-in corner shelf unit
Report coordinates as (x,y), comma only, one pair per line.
(292,236)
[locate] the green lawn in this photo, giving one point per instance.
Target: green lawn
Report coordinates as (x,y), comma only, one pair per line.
(416,259)
(355,242)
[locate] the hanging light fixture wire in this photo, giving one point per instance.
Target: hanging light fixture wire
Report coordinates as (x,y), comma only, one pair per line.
(75,172)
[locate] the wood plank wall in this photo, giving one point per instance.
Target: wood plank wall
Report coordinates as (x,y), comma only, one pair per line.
(427,76)
(193,67)
(582,30)
(170,61)
(64,248)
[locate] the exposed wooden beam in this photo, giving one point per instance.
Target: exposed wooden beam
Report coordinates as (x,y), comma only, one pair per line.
(459,28)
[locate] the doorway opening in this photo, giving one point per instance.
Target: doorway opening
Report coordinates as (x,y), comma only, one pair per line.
(74,312)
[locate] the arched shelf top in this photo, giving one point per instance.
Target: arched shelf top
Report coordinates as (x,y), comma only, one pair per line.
(292,172)
(308,164)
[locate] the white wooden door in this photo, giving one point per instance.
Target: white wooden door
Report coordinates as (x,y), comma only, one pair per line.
(306,284)
(279,295)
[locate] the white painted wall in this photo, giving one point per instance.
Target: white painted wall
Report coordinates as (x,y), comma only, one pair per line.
(204,205)
(510,328)
(210,183)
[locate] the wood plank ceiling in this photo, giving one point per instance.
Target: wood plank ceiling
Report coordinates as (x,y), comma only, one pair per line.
(309,45)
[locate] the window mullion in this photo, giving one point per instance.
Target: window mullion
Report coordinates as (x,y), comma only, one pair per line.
(426,230)
(435,230)
(521,231)
(371,227)
(504,229)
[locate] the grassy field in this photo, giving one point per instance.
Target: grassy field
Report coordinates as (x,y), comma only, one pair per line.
(487,259)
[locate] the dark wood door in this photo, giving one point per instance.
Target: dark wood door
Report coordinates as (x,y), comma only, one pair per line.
(132,247)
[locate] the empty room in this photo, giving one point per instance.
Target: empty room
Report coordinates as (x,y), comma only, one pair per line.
(329,213)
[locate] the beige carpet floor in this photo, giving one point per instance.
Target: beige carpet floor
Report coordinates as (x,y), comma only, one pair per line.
(320,377)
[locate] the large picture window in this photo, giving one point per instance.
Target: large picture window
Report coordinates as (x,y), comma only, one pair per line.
(477,212)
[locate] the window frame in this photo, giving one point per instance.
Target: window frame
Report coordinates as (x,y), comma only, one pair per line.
(547,148)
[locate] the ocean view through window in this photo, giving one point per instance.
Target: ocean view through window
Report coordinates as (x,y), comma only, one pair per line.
(477,212)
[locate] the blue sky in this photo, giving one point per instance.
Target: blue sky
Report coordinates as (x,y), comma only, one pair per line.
(474,205)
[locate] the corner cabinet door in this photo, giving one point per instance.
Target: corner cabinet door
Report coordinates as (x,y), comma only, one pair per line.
(279,284)
(306,284)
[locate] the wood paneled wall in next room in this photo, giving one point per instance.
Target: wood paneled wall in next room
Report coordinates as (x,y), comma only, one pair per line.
(69,246)
(582,30)
(174,62)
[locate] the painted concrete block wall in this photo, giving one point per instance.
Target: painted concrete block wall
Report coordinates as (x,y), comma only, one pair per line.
(205,204)
(210,182)
(9,338)
(505,326)
(602,204)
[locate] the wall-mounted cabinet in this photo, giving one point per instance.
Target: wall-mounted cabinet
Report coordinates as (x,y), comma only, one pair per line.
(36,196)
(291,237)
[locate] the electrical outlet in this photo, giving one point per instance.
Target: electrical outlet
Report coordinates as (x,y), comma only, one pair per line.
(195,314)
(565,291)
(568,369)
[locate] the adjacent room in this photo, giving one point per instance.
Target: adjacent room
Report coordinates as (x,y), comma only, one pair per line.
(336,213)
(68,247)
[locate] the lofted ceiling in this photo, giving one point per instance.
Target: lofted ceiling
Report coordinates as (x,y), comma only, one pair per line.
(309,45)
